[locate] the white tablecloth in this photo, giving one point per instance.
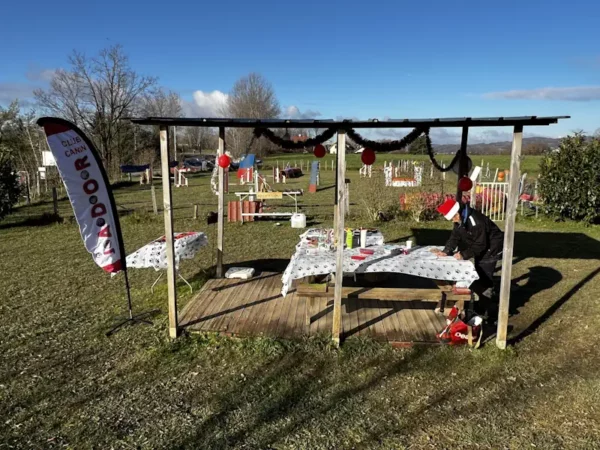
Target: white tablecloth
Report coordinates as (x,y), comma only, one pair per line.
(154,254)
(419,262)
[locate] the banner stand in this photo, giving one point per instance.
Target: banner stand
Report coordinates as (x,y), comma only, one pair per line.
(88,188)
(131,320)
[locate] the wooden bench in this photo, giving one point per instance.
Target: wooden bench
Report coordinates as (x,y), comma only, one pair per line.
(443,294)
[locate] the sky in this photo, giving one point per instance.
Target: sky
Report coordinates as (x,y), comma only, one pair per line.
(333,59)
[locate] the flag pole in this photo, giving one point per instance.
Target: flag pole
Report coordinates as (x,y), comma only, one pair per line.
(131,320)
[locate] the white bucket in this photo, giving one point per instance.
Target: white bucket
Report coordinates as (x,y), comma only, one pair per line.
(298,220)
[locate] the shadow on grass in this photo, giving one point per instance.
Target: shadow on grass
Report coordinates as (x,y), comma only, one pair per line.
(38,221)
(550,311)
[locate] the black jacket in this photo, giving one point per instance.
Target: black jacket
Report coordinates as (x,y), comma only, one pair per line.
(475,236)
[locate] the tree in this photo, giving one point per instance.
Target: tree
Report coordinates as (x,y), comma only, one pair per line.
(569,179)
(97,94)
(9,186)
(252,97)
(536,148)
(418,147)
(200,138)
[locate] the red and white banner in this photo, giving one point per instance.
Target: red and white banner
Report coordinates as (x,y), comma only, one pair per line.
(89,192)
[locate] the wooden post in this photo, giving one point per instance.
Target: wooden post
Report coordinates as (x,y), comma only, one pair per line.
(196,212)
(339,233)
(463,168)
(55,201)
(221,207)
(168,215)
(154,204)
(509,236)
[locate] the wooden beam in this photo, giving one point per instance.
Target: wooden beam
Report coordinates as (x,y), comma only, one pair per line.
(168,215)
(221,207)
(509,236)
(339,236)
(391,294)
(463,168)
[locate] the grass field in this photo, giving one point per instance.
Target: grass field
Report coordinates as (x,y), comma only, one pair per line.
(63,384)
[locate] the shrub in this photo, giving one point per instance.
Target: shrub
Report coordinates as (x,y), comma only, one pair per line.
(570,179)
(376,199)
(9,187)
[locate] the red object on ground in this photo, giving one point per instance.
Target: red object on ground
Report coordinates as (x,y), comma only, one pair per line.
(367,251)
(465,184)
(224,161)
(457,333)
(319,151)
(368,156)
(358,257)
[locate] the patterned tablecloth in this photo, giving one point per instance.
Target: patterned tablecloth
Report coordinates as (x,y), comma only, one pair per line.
(419,262)
(154,254)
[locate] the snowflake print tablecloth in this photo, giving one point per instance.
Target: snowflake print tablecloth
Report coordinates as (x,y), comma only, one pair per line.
(154,254)
(419,262)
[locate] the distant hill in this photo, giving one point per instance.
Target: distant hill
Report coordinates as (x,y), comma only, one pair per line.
(496,148)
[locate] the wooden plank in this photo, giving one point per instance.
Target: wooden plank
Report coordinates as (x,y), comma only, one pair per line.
(351,317)
(273,321)
(299,322)
(231,299)
(220,210)
(339,233)
(433,295)
(202,302)
(259,319)
(399,334)
(249,295)
(209,305)
(509,236)
(169,242)
(287,306)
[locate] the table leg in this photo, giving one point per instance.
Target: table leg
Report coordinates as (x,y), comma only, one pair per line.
(185,281)
(154,284)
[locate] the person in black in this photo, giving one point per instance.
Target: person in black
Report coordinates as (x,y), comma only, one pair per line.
(475,236)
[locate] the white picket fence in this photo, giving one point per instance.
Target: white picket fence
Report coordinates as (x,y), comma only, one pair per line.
(493,197)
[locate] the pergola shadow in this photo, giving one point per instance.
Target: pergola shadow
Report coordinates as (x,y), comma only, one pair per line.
(541,245)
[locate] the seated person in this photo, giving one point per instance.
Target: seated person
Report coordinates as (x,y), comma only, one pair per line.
(475,236)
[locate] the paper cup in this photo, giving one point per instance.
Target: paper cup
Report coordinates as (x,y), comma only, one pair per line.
(363,238)
(409,244)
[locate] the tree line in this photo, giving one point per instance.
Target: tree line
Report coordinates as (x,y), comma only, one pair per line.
(101,93)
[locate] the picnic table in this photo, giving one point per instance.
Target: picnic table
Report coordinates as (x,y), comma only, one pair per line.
(452,276)
(154,254)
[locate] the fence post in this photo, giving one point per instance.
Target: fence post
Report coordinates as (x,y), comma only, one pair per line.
(535,199)
(55,201)
(154,205)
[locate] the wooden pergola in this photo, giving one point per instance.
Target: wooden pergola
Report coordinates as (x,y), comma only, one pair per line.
(517,123)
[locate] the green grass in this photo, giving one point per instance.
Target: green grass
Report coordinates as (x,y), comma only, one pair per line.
(63,384)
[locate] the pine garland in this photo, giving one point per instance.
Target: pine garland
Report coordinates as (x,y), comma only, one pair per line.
(387,146)
(432,157)
(291,145)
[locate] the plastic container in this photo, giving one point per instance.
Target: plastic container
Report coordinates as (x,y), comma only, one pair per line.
(298,220)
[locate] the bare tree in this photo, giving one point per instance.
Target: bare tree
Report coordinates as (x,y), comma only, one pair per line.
(252,97)
(97,93)
(200,138)
(160,102)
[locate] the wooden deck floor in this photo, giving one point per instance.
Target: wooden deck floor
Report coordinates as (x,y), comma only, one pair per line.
(255,307)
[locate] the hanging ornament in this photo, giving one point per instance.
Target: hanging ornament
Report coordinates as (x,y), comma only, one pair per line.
(367,156)
(465,184)
(319,151)
(224,161)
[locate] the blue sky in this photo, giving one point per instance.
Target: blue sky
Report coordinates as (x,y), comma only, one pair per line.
(335,59)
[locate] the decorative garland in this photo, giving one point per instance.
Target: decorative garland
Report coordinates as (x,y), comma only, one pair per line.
(432,157)
(387,146)
(289,144)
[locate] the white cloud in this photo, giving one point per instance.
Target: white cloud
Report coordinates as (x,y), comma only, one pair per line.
(293,112)
(205,104)
(571,94)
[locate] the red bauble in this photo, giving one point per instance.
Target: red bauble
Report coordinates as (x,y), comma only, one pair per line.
(465,184)
(319,151)
(224,161)
(367,156)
